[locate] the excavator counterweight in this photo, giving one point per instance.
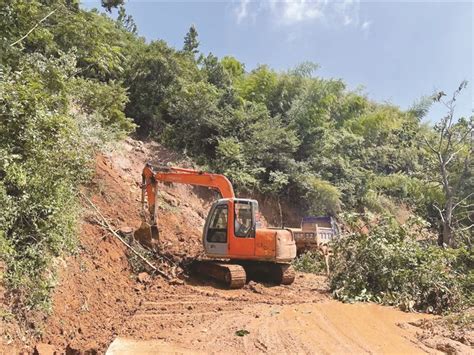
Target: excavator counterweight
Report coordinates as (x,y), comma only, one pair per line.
(236,249)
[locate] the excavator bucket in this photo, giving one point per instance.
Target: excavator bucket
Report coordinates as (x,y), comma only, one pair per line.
(147,235)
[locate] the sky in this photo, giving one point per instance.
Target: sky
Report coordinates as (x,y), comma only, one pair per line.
(394,51)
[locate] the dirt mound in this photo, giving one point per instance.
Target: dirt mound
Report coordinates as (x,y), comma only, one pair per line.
(453,334)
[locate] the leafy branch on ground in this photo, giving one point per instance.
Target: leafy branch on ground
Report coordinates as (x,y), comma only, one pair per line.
(391,265)
(312,262)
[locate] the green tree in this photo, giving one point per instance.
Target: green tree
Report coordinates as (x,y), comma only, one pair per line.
(126,21)
(215,72)
(152,78)
(258,86)
(191,43)
(451,147)
(235,68)
(108,5)
(194,110)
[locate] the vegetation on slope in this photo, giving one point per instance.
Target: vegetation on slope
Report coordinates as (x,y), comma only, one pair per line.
(71,78)
(52,121)
(392,265)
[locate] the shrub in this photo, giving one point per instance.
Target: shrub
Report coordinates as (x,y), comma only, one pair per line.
(45,153)
(312,262)
(321,196)
(388,265)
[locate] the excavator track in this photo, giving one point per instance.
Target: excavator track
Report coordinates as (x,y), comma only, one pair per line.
(231,275)
(287,274)
(280,274)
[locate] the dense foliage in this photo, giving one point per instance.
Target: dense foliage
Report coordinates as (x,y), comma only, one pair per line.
(70,78)
(306,140)
(390,265)
(311,262)
(51,122)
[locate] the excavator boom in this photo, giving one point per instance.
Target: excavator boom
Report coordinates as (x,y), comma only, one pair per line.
(184,176)
(151,175)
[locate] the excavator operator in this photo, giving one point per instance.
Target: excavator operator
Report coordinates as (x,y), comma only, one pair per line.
(243,220)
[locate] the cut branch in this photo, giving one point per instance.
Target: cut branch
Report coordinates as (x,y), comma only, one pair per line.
(111,230)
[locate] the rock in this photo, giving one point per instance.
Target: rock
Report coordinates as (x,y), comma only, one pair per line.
(176,282)
(170,200)
(144,278)
(44,349)
(254,287)
(126,231)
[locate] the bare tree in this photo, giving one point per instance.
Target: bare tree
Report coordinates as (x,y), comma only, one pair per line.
(452,148)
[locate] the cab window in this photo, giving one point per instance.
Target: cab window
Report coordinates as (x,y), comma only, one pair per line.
(217,231)
(243,220)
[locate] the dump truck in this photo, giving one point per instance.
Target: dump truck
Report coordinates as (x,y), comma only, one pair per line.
(314,232)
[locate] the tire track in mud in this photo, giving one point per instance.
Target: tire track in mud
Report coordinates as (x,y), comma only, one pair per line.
(203,318)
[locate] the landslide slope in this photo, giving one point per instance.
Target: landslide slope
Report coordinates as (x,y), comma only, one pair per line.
(97,290)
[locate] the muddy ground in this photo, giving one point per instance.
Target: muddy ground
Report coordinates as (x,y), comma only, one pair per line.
(100,301)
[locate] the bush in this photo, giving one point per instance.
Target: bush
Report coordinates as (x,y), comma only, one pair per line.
(388,265)
(321,196)
(45,153)
(312,262)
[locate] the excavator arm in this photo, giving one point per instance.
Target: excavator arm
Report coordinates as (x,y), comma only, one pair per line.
(151,176)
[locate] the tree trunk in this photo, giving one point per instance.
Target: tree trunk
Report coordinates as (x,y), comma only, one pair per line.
(447,226)
(447,236)
(281,212)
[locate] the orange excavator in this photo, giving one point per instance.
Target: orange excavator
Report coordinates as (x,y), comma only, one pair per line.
(236,249)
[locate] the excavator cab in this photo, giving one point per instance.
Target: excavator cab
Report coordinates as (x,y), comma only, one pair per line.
(227,220)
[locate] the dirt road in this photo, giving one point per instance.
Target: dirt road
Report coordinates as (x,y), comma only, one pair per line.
(324,328)
(278,319)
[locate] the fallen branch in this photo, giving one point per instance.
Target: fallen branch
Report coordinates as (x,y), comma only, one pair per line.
(111,230)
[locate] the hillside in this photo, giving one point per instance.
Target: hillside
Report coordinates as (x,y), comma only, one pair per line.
(76,84)
(99,297)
